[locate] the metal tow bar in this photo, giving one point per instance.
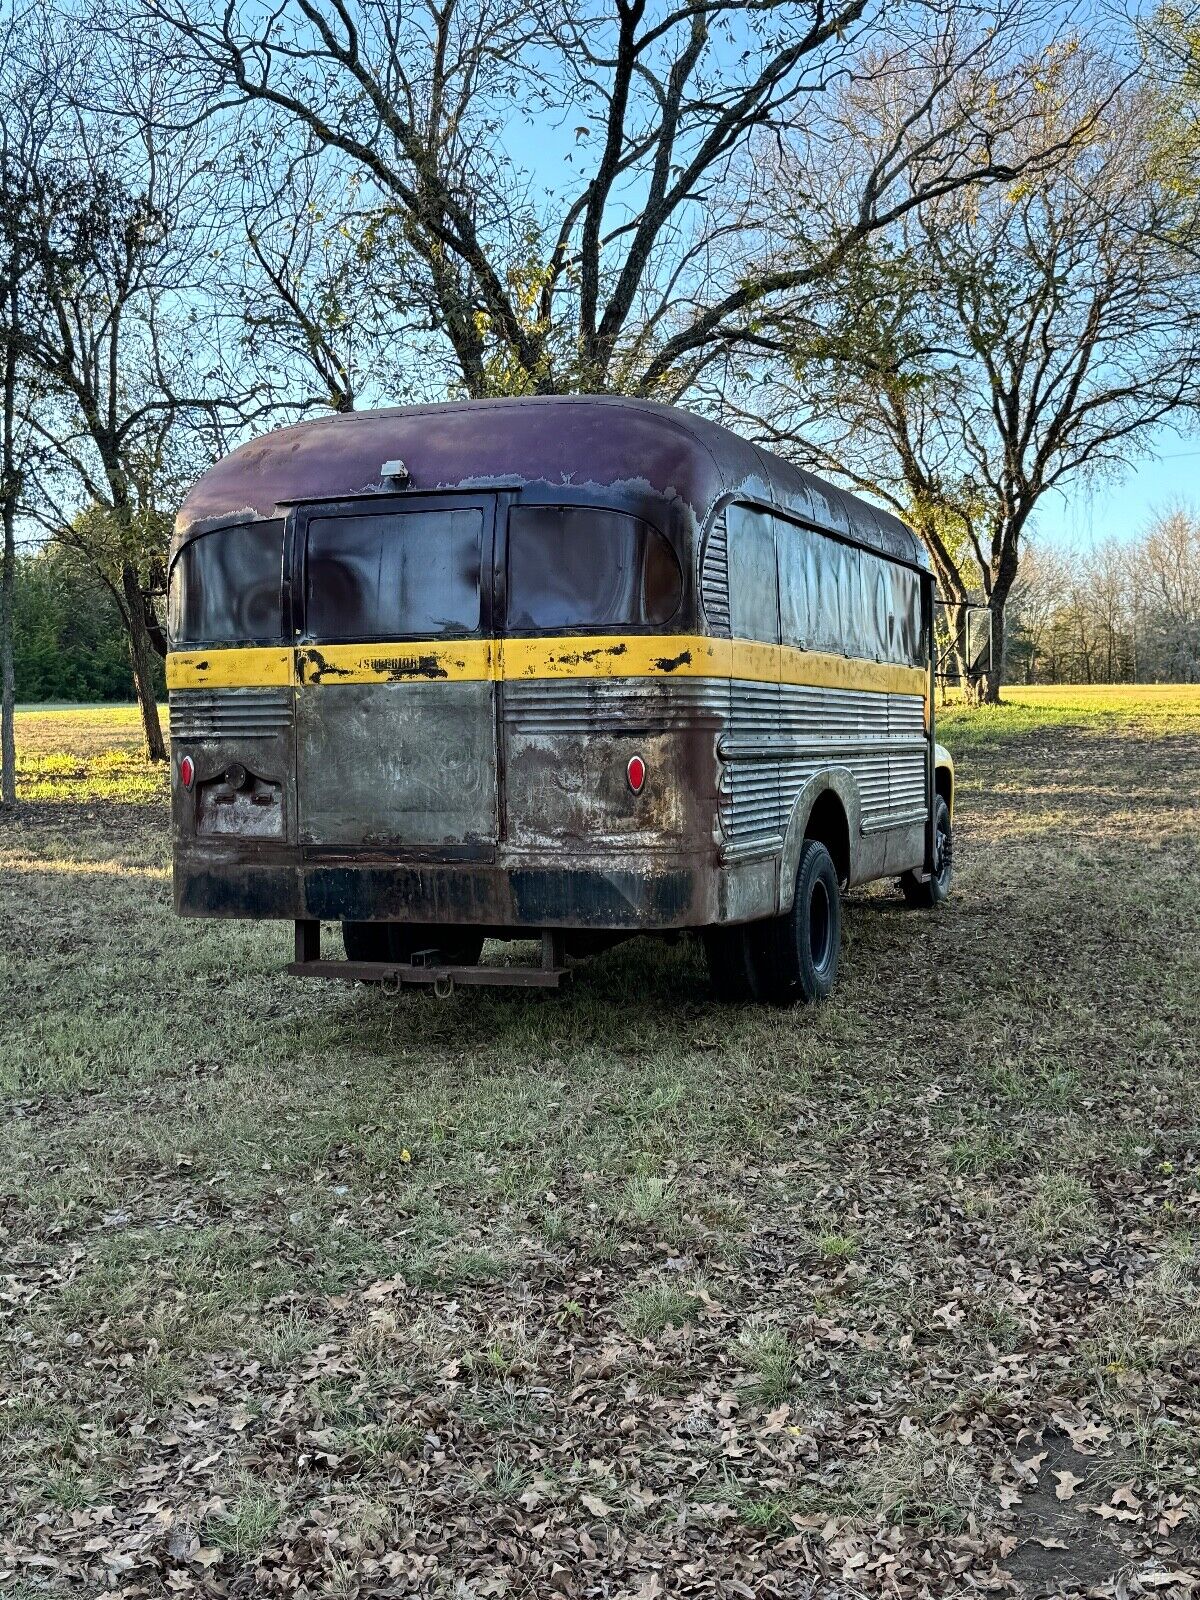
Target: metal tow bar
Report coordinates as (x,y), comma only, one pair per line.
(426,970)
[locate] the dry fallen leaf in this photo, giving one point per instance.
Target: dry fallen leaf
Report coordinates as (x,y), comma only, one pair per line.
(1068,1482)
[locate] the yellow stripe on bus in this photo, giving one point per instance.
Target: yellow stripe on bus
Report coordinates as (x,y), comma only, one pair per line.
(821,671)
(409,661)
(674,655)
(526,660)
(229,669)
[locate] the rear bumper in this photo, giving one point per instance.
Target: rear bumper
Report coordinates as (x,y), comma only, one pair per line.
(666,892)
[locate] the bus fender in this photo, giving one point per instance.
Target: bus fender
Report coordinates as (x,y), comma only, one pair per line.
(839,781)
(943,763)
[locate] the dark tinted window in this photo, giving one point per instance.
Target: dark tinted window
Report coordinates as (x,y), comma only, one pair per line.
(394,576)
(836,598)
(582,567)
(753,595)
(226,587)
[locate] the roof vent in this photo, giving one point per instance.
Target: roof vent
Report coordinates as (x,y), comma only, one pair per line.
(395,469)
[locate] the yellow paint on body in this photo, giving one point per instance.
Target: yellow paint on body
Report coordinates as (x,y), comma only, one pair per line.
(525,660)
(411,661)
(249,668)
(627,655)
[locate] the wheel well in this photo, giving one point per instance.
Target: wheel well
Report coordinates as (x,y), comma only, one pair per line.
(943,784)
(827,822)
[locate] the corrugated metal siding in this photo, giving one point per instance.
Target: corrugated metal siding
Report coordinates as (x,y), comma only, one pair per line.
(714,577)
(780,736)
(587,705)
(230,713)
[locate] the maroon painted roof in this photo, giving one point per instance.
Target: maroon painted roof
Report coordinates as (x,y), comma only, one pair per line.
(603,442)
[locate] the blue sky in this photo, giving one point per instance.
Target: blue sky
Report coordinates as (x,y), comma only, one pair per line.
(1122,505)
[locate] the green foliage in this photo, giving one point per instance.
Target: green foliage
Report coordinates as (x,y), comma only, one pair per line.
(1171,46)
(68,640)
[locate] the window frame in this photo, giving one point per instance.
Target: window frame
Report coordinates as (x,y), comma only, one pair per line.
(582,630)
(782,514)
(226,526)
(296,564)
(758,509)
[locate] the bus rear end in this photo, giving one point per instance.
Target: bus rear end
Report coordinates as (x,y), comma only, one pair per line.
(443,712)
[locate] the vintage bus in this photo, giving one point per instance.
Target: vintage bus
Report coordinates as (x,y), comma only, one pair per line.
(565,669)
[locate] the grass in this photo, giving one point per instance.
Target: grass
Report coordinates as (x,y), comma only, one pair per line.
(708,1278)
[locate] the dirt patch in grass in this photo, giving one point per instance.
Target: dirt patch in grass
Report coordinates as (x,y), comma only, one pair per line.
(617,1293)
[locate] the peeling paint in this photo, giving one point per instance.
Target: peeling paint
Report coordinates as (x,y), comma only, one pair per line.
(586,657)
(670,663)
(398,668)
(315,669)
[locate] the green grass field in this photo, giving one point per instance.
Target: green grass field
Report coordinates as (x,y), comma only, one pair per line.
(307,1289)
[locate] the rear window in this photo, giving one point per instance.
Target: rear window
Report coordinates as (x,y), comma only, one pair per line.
(394,576)
(583,567)
(226,587)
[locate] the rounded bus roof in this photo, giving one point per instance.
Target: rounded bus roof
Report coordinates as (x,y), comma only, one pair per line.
(598,443)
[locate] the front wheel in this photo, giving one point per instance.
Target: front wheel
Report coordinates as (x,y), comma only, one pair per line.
(801,949)
(925,893)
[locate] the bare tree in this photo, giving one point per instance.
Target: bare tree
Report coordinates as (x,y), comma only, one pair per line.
(639,270)
(321,315)
(113,225)
(1168,574)
(1037,602)
(1006,341)
(21,129)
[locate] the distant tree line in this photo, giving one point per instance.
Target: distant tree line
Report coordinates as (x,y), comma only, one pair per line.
(947,251)
(69,642)
(1119,612)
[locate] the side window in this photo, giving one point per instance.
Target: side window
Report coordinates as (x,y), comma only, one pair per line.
(345,555)
(587,567)
(800,622)
(402,575)
(753,575)
(910,628)
(845,601)
(431,573)
(226,587)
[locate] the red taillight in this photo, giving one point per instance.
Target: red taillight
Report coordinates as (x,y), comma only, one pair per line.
(636,773)
(187,771)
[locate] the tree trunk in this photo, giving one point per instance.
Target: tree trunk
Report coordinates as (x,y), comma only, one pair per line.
(8,736)
(8,561)
(994,676)
(141,659)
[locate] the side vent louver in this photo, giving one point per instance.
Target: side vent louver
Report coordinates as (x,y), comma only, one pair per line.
(230,713)
(714,576)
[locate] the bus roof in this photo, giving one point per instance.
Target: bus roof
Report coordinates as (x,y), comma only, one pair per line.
(599,442)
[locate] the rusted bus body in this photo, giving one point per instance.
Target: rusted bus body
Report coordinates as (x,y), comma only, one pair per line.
(425,645)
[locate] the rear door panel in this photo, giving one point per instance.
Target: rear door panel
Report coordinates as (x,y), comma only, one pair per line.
(395,733)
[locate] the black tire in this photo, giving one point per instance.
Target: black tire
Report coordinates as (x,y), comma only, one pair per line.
(399,941)
(925,893)
(734,966)
(802,948)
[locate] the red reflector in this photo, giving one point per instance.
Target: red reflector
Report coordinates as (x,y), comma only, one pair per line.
(636,773)
(187,771)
